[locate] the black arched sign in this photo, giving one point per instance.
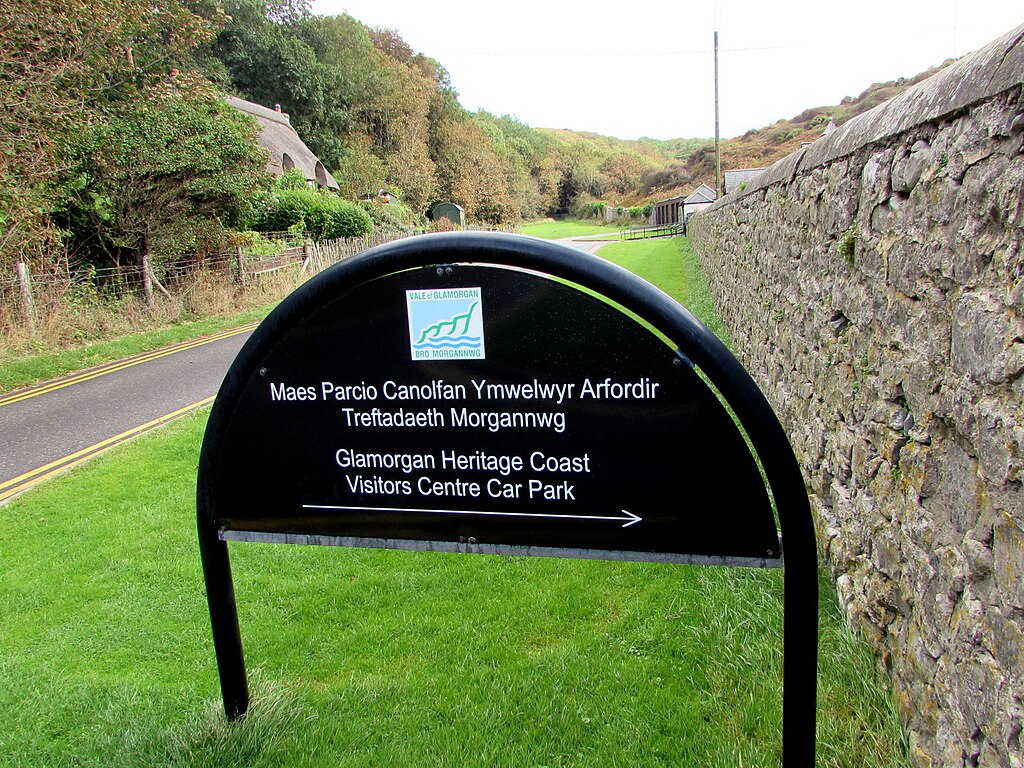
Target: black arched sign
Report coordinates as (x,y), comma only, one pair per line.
(500,394)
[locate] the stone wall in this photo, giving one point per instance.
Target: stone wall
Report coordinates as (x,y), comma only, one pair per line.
(874,286)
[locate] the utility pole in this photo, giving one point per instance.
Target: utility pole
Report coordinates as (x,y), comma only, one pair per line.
(718,152)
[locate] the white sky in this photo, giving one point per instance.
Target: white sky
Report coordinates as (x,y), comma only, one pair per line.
(646,68)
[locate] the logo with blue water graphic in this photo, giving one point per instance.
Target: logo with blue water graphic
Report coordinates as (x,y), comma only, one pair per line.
(446,324)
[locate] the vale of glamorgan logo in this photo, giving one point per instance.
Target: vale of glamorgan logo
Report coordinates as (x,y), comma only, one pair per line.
(446,324)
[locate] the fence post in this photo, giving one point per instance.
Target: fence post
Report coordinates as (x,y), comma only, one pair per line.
(25,287)
(240,274)
(307,253)
(147,281)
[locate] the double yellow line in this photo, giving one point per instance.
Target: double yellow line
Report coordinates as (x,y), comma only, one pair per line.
(117,365)
(21,483)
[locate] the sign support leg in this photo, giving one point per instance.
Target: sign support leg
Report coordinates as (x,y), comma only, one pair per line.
(800,664)
(227,638)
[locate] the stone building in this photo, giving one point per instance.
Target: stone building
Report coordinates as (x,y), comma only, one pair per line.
(698,200)
(739,177)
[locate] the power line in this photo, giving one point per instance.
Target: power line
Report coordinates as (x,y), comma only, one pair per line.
(604,54)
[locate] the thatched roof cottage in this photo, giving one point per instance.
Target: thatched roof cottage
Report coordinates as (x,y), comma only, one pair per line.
(286,149)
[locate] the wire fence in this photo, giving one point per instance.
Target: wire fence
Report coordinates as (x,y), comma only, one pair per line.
(26,297)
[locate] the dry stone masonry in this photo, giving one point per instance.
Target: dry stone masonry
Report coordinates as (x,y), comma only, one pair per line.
(874,285)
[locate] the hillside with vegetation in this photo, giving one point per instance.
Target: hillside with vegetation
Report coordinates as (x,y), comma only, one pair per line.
(692,161)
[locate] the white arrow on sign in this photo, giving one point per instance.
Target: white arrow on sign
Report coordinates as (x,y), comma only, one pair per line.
(628,520)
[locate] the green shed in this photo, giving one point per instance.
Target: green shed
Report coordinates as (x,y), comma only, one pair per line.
(454,213)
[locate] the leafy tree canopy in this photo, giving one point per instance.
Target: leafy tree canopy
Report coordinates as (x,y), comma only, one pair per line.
(60,60)
(154,170)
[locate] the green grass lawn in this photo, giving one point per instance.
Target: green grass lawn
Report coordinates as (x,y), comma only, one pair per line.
(554,230)
(378,658)
(670,264)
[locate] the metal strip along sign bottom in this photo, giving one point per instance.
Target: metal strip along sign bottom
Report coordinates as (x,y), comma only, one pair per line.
(486,393)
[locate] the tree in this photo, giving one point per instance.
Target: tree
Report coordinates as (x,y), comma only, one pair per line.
(360,171)
(469,169)
(395,116)
(579,178)
(321,215)
(624,171)
(391,44)
(159,171)
(347,65)
(270,64)
(59,60)
(522,151)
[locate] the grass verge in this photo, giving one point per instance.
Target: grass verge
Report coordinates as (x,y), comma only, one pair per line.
(18,370)
(369,658)
(671,265)
(553,230)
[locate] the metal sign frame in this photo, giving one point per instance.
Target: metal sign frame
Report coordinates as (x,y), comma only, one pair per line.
(695,344)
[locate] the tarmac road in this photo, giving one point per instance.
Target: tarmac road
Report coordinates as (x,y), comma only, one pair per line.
(53,426)
(583,244)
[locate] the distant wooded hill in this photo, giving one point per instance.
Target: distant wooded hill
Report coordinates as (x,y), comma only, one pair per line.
(383,116)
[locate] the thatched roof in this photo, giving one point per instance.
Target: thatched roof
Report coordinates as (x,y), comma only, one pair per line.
(286,149)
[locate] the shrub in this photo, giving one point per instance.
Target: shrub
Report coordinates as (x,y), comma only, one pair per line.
(345,219)
(809,115)
(281,210)
(320,215)
(589,209)
(443,224)
(395,215)
(293,178)
(255,243)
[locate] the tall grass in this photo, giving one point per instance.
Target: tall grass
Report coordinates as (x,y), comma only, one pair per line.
(81,315)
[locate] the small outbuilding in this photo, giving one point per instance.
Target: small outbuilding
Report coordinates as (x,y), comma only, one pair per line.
(456,214)
(739,177)
(678,210)
(287,150)
(698,200)
(668,212)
